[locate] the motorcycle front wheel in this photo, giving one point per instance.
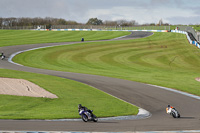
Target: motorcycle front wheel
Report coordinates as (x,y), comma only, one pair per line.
(84,118)
(174,115)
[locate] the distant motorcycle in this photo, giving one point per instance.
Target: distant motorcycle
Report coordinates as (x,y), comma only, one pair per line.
(172,111)
(88,116)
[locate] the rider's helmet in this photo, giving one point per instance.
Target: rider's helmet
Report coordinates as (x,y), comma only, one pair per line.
(168,106)
(79,106)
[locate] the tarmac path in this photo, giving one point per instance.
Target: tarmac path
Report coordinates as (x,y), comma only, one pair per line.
(148,97)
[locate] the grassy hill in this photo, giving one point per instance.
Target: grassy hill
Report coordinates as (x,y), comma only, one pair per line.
(165,59)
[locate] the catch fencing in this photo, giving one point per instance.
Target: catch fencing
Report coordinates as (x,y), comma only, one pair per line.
(23,27)
(103,27)
(198,36)
(90,27)
(189,29)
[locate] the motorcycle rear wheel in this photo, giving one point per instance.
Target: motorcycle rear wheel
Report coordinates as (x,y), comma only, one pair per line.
(95,119)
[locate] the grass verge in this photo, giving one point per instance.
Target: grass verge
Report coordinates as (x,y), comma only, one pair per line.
(70,94)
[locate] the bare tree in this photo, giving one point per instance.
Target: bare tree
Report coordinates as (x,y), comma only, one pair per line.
(1,22)
(123,22)
(160,22)
(110,23)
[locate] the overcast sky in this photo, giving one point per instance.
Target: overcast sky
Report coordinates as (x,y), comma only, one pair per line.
(142,11)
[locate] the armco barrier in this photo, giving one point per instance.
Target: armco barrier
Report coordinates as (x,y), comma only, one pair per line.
(197,44)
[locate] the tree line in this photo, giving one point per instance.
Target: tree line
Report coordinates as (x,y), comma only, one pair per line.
(48,21)
(122,22)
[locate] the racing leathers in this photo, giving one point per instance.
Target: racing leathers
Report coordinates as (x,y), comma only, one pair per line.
(83,108)
(169,109)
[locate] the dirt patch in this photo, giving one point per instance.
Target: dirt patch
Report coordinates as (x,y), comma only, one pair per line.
(21,87)
(197,79)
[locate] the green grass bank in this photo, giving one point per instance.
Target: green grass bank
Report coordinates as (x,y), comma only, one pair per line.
(70,93)
(19,37)
(164,59)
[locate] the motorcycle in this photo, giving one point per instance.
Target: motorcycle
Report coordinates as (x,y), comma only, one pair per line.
(88,116)
(2,57)
(175,113)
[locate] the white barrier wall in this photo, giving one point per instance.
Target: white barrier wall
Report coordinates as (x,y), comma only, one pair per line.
(105,30)
(189,39)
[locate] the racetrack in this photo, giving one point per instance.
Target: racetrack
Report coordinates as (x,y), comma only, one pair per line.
(145,96)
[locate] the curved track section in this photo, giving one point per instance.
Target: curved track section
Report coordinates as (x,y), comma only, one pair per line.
(151,98)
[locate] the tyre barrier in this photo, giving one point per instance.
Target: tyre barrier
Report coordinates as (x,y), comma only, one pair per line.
(189,36)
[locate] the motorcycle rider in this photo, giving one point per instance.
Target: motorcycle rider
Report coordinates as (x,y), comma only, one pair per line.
(82,39)
(169,109)
(80,108)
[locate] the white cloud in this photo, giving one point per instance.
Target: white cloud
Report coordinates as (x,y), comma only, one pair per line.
(141,15)
(142,11)
(185,20)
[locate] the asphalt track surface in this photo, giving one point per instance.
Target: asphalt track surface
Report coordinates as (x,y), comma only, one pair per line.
(145,96)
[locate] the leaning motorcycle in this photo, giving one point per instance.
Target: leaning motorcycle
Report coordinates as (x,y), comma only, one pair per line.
(88,116)
(175,113)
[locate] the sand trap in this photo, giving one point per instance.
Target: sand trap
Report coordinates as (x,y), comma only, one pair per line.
(197,79)
(21,87)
